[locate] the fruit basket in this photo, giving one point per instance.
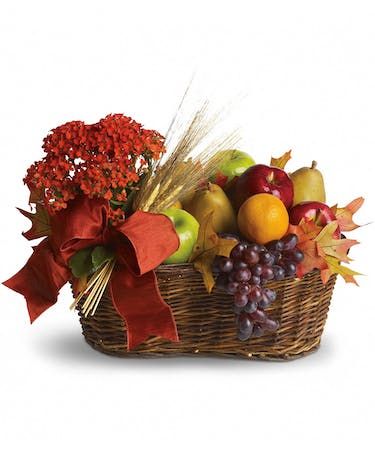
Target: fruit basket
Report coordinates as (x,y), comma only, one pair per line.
(205,322)
(182,245)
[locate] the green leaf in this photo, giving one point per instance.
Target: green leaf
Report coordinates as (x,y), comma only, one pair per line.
(81,263)
(100,255)
(117,203)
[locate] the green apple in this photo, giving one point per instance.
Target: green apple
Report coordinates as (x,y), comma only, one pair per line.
(234,164)
(187,228)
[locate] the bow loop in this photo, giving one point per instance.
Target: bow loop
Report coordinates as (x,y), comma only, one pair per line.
(81,225)
(151,237)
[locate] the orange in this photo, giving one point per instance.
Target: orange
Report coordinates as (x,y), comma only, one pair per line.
(263,218)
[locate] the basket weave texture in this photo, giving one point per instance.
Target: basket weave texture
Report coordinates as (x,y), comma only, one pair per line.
(206,322)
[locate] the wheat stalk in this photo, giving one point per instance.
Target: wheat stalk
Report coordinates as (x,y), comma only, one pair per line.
(189,158)
(95,289)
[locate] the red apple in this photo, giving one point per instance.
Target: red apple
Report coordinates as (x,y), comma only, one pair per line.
(319,212)
(260,179)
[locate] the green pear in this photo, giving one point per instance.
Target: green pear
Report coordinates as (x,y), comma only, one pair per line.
(308,185)
(213,198)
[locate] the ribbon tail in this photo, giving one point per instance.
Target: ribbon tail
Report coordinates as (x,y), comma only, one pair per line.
(138,301)
(40,280)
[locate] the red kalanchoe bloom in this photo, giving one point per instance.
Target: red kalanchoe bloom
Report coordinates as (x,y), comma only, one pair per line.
(105,160)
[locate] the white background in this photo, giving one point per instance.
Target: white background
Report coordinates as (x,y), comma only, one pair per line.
(308,69)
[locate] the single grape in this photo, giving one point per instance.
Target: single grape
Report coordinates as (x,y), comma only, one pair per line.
(258,316)
(250,256)
(257,270)
(221,281)
(257,330)
(242,275)
(290,268)
(271,262)
(244,324)
(243,336)
(264,303)
(270,294)
(255,279)
(276,245)
(290,241)
(270,325)
(237,251)
(268,297)
(255,293)
(266,258)
(240,300)
(239,265)
(231,276)
(296,255)
(226,265)
(254,247)
(232,287)
(278,272)
(215,265)
(251,307)
(267,273)
(244,288)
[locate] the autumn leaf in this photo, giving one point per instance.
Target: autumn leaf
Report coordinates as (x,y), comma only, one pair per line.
(40,223)
(312,259)
(36,196)
(322,250)
(306,230)
(345,215)
(208,246)
(334,266)
(282,160)
(328,245)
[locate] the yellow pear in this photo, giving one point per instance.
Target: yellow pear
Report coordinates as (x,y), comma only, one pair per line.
(308,185)
(213,198)
(187,199)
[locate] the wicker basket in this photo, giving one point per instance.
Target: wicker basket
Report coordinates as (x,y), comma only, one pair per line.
(206,323)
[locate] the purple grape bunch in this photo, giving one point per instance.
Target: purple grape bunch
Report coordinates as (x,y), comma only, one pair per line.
(244,275)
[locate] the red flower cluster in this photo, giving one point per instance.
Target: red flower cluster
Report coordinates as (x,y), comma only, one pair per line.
(105,159)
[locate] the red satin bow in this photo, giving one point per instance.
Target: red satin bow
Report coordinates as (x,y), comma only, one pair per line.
(141,243)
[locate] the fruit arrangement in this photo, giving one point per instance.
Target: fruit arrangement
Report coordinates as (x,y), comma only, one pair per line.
(114,201)
(279,227)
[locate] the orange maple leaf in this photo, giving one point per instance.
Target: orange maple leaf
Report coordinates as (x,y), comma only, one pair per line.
(344,215)
(306,230)
(322,251)
(312,259)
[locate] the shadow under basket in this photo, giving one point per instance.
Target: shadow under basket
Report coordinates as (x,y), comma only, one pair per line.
(206,322)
